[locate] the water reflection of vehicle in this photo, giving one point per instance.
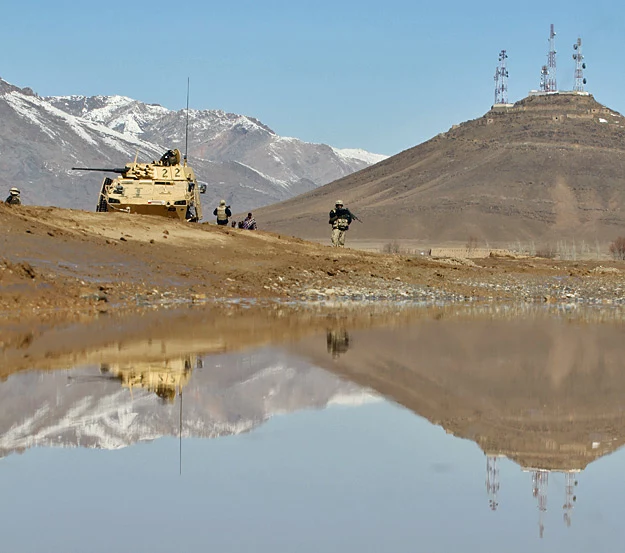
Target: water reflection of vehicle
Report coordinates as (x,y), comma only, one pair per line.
(165,379)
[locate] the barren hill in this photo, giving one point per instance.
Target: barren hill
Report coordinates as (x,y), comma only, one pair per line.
(547,168)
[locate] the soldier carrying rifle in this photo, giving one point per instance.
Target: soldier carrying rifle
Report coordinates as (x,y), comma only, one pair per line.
(340,219)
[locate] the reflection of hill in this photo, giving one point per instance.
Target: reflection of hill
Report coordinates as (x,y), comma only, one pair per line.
(546,393)
(229,394)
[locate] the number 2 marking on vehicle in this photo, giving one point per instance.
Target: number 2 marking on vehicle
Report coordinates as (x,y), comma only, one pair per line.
(177,171)
(164,172)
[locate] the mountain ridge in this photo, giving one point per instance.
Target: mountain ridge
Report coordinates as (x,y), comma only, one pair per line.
(42,137)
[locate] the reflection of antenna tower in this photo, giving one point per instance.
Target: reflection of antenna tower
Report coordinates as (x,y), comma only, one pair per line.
(492,481)
(501,80)
(579,66)
(570,498)
(540,480)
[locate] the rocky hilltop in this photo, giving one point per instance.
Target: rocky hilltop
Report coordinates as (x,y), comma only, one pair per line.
(547,168)
(236,156)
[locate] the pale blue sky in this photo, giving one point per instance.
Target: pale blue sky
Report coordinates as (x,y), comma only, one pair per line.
(383,76)
(349,479)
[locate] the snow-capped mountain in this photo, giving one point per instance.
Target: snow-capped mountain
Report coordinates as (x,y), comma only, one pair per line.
(228,394)
(238,157)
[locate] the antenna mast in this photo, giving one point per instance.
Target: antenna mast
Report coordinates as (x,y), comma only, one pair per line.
(569,489)
(540,481)
(186,132)
(551,63)
(492,481)
(544,75)
(501,80)
(180,434)
(580,81)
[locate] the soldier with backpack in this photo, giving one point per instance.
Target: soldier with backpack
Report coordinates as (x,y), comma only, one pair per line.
(340,219)
(222,212)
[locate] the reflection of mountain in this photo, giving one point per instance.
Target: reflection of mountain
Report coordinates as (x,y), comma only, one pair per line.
(230,394)
(546,393)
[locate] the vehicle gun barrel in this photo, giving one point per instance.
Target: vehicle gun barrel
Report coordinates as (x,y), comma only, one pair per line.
(120,170)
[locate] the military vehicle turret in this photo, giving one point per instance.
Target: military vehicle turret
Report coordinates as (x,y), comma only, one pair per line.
(166,187)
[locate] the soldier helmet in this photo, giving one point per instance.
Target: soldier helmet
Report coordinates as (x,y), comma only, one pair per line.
(222,202)
(339,202)
(14,191)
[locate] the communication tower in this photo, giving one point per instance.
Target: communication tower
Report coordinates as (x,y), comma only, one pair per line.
(580,81)
(544,76)
(551,62)
(501,80)
(492,481)
(548,72)
(540,481)
(569,490)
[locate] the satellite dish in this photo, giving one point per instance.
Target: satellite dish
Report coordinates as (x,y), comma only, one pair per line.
(575,46)
(574,57)
(583,66)
(584,81)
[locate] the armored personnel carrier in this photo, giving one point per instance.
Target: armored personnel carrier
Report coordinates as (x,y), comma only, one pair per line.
(166,187)
(165,379)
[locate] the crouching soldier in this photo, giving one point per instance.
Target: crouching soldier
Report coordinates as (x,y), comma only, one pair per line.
(14,197)
(340,219)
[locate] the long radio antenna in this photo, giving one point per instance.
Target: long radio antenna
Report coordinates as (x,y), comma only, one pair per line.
(186,138)
(180,433)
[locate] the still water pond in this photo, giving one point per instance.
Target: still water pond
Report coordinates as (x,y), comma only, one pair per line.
(438,433)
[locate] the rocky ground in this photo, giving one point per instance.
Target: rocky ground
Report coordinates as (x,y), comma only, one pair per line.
(70,264)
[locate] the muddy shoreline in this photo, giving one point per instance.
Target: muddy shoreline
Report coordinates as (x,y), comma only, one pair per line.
(59,265)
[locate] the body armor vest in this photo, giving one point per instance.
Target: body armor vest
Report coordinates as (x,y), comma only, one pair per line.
(221,213)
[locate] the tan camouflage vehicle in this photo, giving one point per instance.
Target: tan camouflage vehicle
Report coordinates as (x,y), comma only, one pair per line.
(166,187)
(164,379)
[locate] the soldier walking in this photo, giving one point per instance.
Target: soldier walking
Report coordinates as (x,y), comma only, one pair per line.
(14,197)
(340,219)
